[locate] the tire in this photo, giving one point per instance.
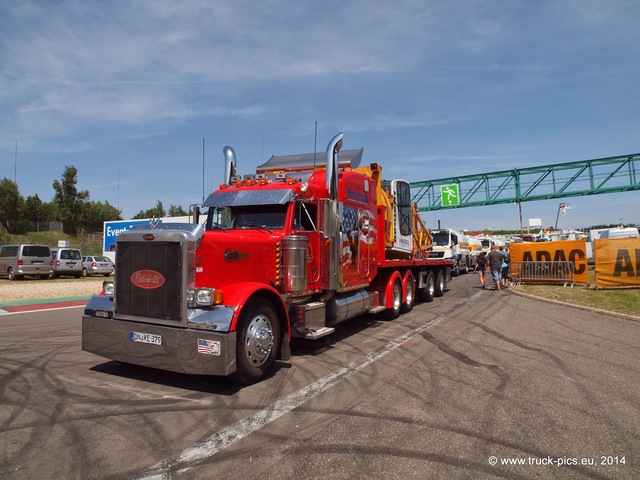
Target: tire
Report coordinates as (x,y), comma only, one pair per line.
(44,277)
(85,273)
(456,268)
(441,283)
(410,299)
(258,342)
(393,312)
(11,274)
(427,293)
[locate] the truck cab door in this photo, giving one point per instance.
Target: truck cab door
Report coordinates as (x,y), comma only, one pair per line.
(305,223)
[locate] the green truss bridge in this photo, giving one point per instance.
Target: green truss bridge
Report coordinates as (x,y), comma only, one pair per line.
(588,177)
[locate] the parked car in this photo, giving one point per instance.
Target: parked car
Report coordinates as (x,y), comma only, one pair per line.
(66,261)
(97,265)
(17,261)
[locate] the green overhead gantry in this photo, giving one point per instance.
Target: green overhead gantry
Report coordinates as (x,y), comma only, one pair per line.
(588,177)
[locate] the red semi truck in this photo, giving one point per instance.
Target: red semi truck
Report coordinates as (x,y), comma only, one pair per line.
(290,251)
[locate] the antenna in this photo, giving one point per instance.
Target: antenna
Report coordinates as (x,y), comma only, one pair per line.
(315,143)
(203,170)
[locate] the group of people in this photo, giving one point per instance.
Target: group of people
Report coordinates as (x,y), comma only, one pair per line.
(497,262)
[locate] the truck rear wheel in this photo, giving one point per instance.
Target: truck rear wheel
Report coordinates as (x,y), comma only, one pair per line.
(441,283)
(410,298)
(258,336)
(426,294)
(393,311)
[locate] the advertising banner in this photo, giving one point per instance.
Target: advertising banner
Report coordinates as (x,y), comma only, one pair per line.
(574,251)
(113,228)
(617,262)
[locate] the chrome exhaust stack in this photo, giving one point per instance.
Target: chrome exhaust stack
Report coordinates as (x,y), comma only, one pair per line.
(333,213)
(229,164)
(332,165)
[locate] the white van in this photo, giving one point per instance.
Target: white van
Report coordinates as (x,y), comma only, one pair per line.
(630,232)
(17,261)
(66,261)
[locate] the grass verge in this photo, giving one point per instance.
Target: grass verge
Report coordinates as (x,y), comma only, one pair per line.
(618,300)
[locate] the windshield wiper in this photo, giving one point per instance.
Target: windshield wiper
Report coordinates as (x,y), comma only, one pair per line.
(243,226)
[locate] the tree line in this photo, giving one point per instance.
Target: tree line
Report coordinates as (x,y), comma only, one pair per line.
(69,206)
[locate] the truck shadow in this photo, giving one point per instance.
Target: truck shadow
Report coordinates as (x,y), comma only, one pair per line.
(302,347)
(219,385)
(196,383)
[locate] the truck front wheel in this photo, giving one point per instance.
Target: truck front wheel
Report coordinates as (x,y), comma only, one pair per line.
(258,336)
(456,268)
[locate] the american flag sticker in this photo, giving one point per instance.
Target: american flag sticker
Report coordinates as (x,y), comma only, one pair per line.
(208,347)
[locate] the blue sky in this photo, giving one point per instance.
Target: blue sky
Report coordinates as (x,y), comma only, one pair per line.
(127,91)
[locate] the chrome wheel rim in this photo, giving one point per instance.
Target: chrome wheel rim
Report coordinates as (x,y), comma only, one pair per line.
(258,340)
(410,292)
(397,296)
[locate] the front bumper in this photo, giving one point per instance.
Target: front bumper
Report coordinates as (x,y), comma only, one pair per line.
(183,350)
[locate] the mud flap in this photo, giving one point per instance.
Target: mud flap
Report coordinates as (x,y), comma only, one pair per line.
(285,349)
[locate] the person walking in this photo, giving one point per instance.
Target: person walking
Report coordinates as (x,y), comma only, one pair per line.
(505,266)
(481,267)
(495,264)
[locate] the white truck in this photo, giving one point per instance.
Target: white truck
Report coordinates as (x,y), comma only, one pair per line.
(452,245)
(475,247)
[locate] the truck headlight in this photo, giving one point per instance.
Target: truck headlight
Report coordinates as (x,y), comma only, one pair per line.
(109,288)
(204,297)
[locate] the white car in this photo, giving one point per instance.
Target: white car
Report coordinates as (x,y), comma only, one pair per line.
(97,265)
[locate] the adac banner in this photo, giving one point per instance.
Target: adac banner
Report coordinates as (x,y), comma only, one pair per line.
(617,262)
(574,251)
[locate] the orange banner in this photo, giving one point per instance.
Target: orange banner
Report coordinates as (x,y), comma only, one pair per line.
(617,262)
(574,251)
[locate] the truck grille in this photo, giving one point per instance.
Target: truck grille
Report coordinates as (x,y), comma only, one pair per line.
(436,254)
(148,279)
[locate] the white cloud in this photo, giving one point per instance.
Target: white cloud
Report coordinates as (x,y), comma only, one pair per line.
(477,85)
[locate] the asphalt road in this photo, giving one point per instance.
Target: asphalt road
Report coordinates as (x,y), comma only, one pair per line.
(477,384)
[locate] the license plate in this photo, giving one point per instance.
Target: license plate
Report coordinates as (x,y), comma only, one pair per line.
(146,338)
(37,263)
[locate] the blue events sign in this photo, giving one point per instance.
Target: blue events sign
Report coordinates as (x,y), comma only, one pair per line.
(113,229)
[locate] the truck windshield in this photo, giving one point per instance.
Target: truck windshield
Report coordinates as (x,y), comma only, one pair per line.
(441,239)
(247,217)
